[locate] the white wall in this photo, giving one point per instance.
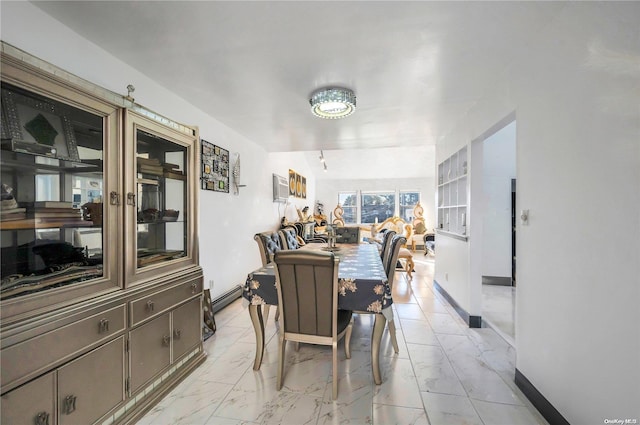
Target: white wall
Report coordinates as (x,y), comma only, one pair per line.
(575,93)
(227,222)
(327,192)
(499,167)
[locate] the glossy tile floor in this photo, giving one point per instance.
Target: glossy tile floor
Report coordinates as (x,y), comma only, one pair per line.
(445,373)
(498,307)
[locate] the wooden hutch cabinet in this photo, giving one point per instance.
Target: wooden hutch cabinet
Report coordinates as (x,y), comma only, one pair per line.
(101,290)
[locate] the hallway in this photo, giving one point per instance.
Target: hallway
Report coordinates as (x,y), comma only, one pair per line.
(445,373)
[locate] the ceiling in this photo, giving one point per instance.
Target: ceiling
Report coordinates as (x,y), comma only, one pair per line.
(416,67)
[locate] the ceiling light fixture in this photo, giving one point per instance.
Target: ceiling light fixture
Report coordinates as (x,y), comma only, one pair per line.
(333,103)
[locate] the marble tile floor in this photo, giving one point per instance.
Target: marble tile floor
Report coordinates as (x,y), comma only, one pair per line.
(498,308)
(444,374)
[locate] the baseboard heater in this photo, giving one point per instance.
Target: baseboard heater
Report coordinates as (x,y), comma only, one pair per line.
(227,298)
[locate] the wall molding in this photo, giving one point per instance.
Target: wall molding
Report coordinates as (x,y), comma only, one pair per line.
(536,398)
(472,321)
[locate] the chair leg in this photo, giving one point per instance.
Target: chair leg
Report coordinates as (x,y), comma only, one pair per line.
(281,363)
(347,340)
(265,313)
(410,266)
(335,370)
(392,334)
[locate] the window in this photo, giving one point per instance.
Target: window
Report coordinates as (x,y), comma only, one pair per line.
(378,205)
(408,201)
(347,201)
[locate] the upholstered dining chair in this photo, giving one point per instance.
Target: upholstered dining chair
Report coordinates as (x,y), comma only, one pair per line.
(268,243)
(289,238)
(389,263)
(386,244)
(307,285)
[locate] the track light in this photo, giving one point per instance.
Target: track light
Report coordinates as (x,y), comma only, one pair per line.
(324,163)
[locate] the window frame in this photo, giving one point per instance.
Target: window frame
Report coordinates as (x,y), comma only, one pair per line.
(364,194)
(408,207)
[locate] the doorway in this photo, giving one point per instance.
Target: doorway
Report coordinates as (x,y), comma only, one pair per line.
(497,266)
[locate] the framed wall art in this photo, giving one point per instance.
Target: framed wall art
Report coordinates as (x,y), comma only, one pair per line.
(292,183)
(215,167)
(297,185)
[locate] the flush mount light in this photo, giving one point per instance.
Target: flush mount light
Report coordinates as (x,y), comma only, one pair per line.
(333,103)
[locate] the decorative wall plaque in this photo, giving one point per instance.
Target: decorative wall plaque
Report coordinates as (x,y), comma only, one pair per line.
(215,167)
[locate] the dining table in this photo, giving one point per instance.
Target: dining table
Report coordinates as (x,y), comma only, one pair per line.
(362,287)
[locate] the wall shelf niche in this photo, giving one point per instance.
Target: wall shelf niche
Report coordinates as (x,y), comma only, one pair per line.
(452,195)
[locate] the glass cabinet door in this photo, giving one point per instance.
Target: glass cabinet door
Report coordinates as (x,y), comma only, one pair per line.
(161,196)
(52,210)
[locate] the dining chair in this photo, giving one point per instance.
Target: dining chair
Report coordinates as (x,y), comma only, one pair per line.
(386,243)
(397,241)
(268,243)
(289,238)
(307,285)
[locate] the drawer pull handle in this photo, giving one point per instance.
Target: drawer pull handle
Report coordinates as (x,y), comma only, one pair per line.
(177,333)
(150,306)
(69,404)
(103,326)
(166,340)
(42,418)
(194,287)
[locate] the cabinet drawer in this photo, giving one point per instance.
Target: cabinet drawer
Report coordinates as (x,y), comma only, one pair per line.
(31,402)
(159,302)
(40,353)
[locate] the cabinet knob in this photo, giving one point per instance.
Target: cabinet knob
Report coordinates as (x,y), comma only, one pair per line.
(131,199)
(177,333)
(166,339)
(194,287)
(69,404)
(103,326)
(114,198)
(42,418)
(150,306)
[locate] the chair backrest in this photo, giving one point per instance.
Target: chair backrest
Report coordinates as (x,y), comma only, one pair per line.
(288,238)
(348,234)
(392,258)
(268,243)
(307,284)
(386,243)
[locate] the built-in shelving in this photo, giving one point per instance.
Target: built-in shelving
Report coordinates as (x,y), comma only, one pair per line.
(452,195)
